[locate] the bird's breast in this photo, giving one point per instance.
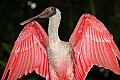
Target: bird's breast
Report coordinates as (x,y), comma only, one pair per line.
(60,61)
(58,50)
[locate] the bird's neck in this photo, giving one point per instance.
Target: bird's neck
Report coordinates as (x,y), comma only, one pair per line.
(54,23)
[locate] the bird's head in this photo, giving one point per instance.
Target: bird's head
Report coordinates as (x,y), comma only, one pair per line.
(47,13)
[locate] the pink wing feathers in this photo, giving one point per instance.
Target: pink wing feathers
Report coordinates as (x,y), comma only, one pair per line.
(93,45)
(28,53)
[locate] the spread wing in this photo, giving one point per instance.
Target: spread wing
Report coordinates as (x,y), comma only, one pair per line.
(28,53)
(93,45)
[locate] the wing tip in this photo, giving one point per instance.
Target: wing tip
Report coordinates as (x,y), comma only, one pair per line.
(88,16)
(4,74)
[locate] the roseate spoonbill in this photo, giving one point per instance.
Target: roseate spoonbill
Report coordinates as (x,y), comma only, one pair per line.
(90,44)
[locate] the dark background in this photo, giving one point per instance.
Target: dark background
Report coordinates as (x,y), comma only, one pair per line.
(12,12)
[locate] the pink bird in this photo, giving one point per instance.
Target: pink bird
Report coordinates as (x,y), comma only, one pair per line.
(90,44)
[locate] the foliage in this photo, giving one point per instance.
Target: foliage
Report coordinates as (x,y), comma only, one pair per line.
(7,47)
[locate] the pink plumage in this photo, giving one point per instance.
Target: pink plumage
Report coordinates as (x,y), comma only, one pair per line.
(28,53)
(93,45)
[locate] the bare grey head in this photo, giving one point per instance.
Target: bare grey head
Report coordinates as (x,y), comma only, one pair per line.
(47,13)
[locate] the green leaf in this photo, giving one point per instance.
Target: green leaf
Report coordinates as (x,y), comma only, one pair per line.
(7,47)
(2,63)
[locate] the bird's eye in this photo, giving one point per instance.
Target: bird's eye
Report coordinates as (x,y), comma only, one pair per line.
(52,8)
(52,11)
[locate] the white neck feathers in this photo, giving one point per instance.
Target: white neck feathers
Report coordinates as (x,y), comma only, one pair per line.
(54,23)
